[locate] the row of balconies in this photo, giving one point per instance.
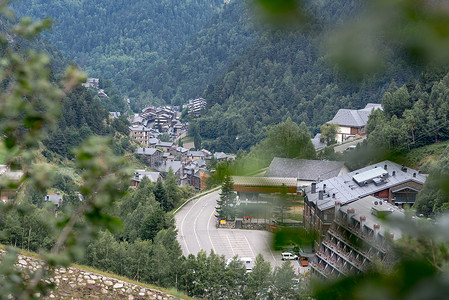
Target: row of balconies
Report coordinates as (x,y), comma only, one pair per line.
(361,235)
(318,268)
(344,255)
(367,254)
(342,269)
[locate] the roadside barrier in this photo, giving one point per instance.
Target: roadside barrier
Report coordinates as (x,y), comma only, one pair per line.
(195,197)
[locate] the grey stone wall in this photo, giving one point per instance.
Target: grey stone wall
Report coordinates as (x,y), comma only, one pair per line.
(74,283)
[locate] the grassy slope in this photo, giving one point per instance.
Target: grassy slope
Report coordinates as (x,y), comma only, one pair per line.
(418,158)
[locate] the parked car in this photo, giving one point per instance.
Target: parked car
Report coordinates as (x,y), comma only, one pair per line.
(247,261)
(289,256)
(350,148)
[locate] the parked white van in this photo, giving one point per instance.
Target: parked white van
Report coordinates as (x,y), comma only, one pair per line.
(289,256)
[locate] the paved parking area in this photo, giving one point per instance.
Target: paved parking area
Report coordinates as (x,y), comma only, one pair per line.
(197,230)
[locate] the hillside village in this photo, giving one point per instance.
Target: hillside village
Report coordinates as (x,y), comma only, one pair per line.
(189,165)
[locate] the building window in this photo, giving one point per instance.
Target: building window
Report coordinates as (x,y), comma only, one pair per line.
(404,197)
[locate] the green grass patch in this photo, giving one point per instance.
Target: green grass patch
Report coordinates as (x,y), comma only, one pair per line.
(295,212)
(187,139)
(419,157)
(5,154)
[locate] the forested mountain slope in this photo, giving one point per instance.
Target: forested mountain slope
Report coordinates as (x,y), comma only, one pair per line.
(252,76)
(111,38)
(286,74)
(187,71)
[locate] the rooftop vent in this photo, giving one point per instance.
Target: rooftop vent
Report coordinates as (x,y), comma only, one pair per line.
(366,177)
(385,167)
(380,210)
(404,168)
(379,181)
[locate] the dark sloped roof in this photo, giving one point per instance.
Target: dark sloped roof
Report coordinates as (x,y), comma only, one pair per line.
(147,151)
(351,118)
(195,153)
(304,169)
(354,118)
(175,165)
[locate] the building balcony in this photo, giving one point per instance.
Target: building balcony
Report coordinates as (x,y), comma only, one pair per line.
(366,254)
(320,269)
(344,255)
(361,235)
(332,262)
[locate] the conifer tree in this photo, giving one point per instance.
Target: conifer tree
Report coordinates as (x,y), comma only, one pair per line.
(226,204)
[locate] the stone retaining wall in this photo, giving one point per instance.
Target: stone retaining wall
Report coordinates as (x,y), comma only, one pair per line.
(73,283)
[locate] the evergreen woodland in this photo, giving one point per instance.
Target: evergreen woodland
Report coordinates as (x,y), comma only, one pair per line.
(251,75)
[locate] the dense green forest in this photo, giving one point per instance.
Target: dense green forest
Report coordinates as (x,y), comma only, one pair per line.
(286,75)
(82,115)
(251,75)
(120,40)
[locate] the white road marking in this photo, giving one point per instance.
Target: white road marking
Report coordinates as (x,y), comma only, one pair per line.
(271,252)
(182,224)
(208,231)
(194,227)
(250,248)
(233,253)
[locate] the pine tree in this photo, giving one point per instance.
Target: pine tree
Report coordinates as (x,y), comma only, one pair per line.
(160,194)
(171,189)
(226,204)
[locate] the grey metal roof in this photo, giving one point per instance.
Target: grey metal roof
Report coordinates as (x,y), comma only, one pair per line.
(371,106)
(354,118)
(350,118)
(369,175)
(181,149)
(153,141)
(165,144)
(304,169)
(220,155)
(317,144)
(346,190)
(364,207)
(175,165)
(147,151)
(195,153)
(200,162)
(140,174)
(139,128)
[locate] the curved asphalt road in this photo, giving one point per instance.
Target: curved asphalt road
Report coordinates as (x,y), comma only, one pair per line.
(196,230)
